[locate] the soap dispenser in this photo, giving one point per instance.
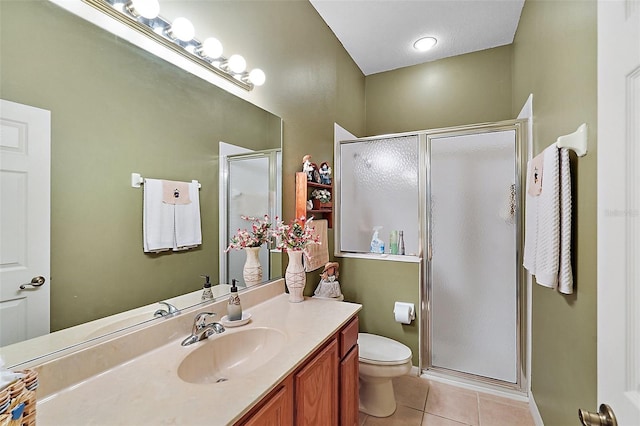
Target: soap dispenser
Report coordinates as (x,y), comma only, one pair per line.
(234,310)
(206,289)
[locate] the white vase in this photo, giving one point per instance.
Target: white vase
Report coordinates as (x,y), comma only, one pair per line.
(252,271)
(295,277)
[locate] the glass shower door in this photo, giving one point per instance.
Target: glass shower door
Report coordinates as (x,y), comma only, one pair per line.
(473,249)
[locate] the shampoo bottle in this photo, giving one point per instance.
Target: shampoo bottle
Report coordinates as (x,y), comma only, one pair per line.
(234,310)
(206,289)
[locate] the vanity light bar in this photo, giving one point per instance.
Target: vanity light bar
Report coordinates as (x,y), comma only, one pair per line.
(159,30)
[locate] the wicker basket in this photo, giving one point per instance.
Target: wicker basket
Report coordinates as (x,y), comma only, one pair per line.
(18,401)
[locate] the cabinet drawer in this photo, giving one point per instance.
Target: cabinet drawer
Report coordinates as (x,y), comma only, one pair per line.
(348,336)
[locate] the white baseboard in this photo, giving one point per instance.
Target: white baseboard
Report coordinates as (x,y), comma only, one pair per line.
(533,408)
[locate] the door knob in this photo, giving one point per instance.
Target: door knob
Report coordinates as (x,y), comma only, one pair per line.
(35,282)
(604,417)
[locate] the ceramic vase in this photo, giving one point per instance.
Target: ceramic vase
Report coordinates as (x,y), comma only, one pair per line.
(295,277)
(252,271)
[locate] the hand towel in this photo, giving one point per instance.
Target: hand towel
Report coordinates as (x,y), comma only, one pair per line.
(188,232)
(318,253)
(157,219)
(175,192)
(548,243)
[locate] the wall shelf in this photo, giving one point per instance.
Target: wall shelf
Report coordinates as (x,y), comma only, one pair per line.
(302,195)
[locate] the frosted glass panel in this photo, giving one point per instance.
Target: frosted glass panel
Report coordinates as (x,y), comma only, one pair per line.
(473,268)
(379,187)
(248,196)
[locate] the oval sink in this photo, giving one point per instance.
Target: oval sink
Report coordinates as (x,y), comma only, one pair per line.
(232,355)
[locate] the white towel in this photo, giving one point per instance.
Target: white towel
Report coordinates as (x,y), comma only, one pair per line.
(188,233)
(318,253)
(547,248)
(158,220)
(565,279)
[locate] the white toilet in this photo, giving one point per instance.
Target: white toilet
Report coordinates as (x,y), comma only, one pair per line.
(381,359)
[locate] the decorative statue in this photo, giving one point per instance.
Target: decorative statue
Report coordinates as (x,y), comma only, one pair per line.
(329,285)
(325,173)
(311,169)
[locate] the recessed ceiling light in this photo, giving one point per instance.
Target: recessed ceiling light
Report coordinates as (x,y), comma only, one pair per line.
(424,44)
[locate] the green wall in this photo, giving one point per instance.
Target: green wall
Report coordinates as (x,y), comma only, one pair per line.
(555,59)
(465,89)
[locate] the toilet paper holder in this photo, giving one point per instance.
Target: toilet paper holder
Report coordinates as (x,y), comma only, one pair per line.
(404,312)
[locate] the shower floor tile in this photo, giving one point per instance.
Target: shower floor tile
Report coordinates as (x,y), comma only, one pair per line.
(422,402)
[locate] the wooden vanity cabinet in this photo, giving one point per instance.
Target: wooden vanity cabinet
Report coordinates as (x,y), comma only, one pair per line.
(349,374)
(323,391)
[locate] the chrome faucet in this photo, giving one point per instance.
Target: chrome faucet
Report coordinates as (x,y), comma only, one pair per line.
(171,310)
(201,329)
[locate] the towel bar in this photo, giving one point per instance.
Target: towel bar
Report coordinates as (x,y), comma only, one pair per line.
(137,180)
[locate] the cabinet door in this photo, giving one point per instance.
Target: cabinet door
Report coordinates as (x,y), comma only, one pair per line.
(349,398)
(316,389)
(275,412)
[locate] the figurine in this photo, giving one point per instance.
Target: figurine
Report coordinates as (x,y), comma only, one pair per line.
(325,173)
(311,169)
(329,285)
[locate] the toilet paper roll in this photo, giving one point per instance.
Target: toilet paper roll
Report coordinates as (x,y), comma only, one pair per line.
(403,312)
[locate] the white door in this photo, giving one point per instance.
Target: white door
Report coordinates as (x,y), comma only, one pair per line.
(619,208)
(25,157)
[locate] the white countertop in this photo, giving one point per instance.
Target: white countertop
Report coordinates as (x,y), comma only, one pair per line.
(147,389)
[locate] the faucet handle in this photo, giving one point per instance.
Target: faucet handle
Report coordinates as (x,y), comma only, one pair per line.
(169,311)
(201,319)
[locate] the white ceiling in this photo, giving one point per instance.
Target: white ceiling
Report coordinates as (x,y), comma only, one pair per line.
(379,34)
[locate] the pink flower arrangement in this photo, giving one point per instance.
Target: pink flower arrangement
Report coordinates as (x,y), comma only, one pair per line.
(295,236)
(258,235)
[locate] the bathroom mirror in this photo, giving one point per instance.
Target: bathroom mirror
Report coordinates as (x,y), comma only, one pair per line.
(116,109)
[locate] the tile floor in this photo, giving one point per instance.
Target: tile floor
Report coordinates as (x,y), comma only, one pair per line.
(422,402)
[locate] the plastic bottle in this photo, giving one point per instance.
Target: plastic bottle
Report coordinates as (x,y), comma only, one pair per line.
(393,242)
(206,289)
(400,242)
(377,245)
(234,309)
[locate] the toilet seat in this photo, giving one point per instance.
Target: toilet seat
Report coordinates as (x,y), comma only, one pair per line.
(379,350)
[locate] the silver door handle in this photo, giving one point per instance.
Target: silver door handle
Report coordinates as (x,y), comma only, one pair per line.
(35,282)
(604,417)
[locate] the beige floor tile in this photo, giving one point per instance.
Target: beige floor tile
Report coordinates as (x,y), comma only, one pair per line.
(453,403)
(362,418)
(411,391)
(404,416)
(431,420)
(508,401)
(497,413)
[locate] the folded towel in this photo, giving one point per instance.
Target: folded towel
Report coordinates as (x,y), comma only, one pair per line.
(188,233)
(175,192)
(318,254)
(548,245)
(547,248)
(157,219)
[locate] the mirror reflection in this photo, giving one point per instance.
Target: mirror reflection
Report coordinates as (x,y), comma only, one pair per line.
(116,109)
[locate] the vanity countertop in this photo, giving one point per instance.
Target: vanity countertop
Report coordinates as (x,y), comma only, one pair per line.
(147,389)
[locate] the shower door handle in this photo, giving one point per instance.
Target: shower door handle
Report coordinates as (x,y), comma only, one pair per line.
(604,417)
(429,252)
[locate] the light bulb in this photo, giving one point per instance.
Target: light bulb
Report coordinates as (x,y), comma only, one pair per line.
(211,48)
(424,44)
(182,29)
(146,8)
(257,77)
(237,63)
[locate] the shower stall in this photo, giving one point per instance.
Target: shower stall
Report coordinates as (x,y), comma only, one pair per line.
(458,193)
